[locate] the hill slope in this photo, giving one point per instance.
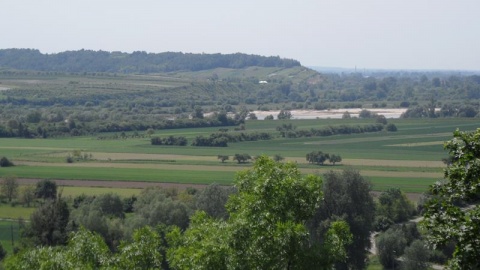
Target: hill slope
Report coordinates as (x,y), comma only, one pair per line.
(136,62)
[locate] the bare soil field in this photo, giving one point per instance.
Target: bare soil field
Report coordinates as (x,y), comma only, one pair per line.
(111,184)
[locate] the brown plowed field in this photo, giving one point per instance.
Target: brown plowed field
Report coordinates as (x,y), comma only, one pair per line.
(111,184)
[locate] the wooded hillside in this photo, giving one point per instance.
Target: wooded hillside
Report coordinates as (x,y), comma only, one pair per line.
(136,62)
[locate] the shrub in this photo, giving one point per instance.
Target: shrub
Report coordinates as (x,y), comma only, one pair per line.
(4,162)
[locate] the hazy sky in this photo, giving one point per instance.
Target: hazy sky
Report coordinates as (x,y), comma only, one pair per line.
(398,34)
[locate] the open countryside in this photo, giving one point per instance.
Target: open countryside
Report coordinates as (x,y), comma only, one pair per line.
(410,158)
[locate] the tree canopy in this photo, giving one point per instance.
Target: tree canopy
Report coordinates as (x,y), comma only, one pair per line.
(445,220)
(266,228)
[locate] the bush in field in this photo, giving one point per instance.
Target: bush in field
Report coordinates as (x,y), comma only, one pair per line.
(242,158)
(4,162)
(391,127)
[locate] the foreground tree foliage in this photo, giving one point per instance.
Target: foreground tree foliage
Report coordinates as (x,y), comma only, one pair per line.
(266,228)
(263,226)
(87,250)
(445,220)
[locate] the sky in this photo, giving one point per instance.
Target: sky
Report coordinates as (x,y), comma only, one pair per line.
(368,34)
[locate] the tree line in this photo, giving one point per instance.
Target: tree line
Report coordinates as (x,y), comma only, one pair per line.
(136,62)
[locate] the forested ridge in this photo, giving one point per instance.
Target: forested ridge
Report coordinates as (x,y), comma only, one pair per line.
(136,62)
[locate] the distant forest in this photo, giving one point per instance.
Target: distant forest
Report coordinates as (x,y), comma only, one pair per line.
(136,62)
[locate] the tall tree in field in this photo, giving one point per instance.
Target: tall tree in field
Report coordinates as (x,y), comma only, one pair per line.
(447,222)
(10,187)
(48,223)
(46,189)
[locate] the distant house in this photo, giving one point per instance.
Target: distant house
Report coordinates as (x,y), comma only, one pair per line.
(262,82)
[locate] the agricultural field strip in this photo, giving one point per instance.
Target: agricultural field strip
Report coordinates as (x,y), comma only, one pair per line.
(417,144)
(383,138)
(226,168)
(299,160)
(36,148)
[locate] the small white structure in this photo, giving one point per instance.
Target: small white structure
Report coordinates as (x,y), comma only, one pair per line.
(262,82)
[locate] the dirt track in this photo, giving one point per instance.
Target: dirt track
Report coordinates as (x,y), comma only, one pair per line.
(111,184)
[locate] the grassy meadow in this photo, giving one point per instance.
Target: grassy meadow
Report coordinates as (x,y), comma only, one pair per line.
(409,158)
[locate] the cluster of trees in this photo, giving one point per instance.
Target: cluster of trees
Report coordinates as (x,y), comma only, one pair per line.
(221,139)
(290,131)
(468,109)
(136,62)
(319,158)
(51,127)
(170,140)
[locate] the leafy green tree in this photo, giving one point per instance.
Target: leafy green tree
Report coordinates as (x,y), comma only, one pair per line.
(317,157)
(46,189)
(391,127)
(266,228)
(27,195)
(223,158)
(155,206)
(212,200)
(381,119)
(347,197)
(87,250)
(394,204)
(390,246)
(242,158)
(416,256)
(10,187)
(334,158)
(4,162)
(284,114)
(48,223)
(444,220)
(204,245)
(41,258)
(278,157)
(197,112)
(269,117)
(287,130)
(144,252)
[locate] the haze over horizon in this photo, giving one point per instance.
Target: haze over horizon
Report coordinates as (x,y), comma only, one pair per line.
(372,34)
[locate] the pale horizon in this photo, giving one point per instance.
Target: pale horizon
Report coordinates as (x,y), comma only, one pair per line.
(374,34)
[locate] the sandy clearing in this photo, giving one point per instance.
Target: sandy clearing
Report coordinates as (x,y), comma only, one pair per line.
(333,113)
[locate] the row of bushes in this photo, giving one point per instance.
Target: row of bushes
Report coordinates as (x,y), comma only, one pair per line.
(338,130)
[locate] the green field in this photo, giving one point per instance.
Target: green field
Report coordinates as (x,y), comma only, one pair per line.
(388,159)
(6,230)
